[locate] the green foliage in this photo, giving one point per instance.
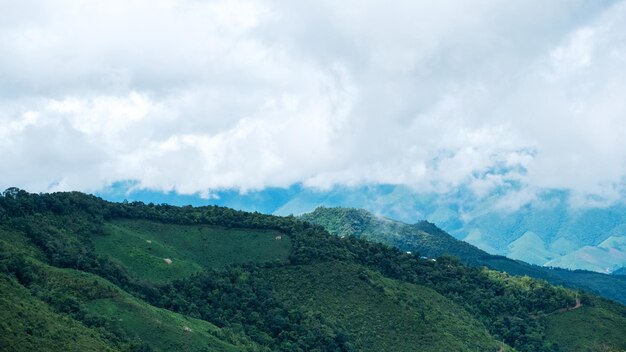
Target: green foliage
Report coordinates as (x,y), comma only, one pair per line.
(377,313)
(240,299)
(29,324)
(98,308)
(142,247)
(426,239)
(571,331)
(609,286)
(423,238)
(84,261)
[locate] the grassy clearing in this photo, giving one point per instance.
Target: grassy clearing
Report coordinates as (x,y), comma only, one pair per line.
(142,247)
(381,314)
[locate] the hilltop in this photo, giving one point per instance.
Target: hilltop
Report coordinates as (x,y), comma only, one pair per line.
(79,274)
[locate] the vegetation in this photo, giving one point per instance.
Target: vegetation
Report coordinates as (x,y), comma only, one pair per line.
(573,335)
(29,324)
(81,270)
(158,252)
(378,313)
(426,239)
(422,238)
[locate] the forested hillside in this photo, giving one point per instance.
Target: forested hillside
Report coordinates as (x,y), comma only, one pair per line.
(78,274)
(426,239)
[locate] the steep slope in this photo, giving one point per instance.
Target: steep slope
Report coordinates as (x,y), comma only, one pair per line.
(427,239)
(376,309)
(75,256)
(60,309)
(29,324)
(566,328)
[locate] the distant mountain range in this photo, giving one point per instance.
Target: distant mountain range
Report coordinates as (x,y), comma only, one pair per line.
(548,232)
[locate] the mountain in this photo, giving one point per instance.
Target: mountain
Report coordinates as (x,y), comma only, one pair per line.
(81,274)
(540,233)
(554,222)
(573,238)
(609,255)
(428,240)
(423,237)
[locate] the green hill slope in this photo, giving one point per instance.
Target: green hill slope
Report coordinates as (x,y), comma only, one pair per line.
(29,324)
(163,252)
(78,271)
(426,239)
(67,309)
(381,313)
(566,328)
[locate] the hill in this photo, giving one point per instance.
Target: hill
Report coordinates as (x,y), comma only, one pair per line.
(78,273)
(426,239)
(423,237)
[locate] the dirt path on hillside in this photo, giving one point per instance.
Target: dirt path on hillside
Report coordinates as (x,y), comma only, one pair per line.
(576,306)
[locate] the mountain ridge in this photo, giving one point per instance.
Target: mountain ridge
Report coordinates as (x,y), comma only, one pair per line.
(427,239)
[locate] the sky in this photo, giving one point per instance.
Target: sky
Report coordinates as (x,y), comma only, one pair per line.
(193,97)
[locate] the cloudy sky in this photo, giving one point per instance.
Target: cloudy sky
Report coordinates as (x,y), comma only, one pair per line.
(197,96)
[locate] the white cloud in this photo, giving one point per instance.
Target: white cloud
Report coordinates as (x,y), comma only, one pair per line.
(201,95)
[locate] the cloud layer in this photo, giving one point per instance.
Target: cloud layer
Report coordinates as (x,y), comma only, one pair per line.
(196,96)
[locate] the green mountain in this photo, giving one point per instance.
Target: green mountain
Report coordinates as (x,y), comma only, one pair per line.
(81,274)
(423,237)
(426,239)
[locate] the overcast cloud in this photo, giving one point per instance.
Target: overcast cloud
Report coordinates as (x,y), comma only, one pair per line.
(196,96)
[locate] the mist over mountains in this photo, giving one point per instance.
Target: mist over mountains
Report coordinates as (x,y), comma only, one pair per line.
(265,175)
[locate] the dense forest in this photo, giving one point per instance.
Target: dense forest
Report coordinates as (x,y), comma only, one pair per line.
(81,271)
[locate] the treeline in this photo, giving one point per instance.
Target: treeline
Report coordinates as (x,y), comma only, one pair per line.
(19,203)
(61,226)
